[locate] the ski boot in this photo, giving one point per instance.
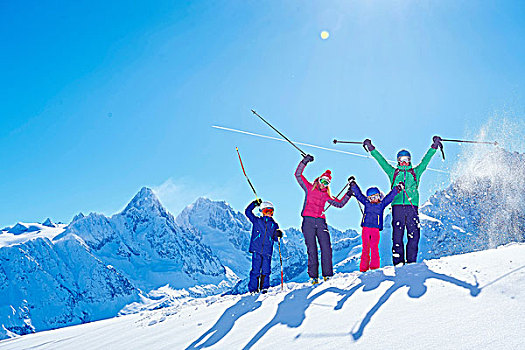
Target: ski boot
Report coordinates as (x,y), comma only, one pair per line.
(264,291)
(314,281)
(326,278)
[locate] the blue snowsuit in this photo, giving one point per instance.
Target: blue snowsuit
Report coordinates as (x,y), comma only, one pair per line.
(261,246)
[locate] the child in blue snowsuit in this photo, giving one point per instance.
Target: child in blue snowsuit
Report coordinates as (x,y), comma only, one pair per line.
(372,222)
(264,232)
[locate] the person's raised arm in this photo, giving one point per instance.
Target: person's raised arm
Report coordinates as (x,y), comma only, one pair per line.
(299,172)
(383,163)
(249,209)
(357,193)
(389,198)
(339,203)
(422,166)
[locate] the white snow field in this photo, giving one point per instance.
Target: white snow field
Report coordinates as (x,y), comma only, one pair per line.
(468,301)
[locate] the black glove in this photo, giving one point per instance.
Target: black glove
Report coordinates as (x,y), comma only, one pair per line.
(436,142)
(308,158)
(351,181)
(279,233)
(257,202)
(400,187)
(367,144)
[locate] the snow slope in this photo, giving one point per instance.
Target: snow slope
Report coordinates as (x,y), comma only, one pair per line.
(475,300)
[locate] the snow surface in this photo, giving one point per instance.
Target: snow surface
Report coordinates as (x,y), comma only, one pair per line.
(475,300)
(7,238)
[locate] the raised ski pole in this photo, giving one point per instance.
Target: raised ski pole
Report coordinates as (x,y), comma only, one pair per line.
(360,207)
(242,166)
(277,131)
(337,197)
(495,143)
(442,152)
(352,178)
(281,261)
(351,143)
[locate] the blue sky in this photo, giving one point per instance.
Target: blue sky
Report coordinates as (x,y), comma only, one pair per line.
(99,99)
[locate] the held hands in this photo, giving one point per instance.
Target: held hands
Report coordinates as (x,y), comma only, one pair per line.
(400,187)
(367,144)
(279,233)
(308,158)
(436,142)
(257,202)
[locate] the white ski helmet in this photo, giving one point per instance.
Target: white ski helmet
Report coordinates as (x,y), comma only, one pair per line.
(266,205)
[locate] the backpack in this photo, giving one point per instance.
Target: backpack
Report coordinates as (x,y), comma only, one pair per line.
(397,171)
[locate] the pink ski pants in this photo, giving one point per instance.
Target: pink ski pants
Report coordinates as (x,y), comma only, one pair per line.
(370,237)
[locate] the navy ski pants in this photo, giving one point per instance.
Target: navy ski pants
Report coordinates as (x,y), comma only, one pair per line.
(261,265)
(405,216)
(315,229)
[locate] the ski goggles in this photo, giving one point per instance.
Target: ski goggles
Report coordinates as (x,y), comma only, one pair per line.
(268,211)
(375,197)
(403,160)
(324,181)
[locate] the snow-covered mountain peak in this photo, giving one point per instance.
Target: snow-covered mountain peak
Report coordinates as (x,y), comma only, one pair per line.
(203,204)
(146,201)
(219,215)
(79,216)
(48,223)
(94,229)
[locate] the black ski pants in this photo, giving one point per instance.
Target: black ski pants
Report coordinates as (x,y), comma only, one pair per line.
(405,216)
(315,229)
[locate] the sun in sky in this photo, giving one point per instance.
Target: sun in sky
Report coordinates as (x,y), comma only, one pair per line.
(324,35)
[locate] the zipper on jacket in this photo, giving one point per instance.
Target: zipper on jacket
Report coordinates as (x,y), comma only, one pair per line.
(264,237)
(405,180)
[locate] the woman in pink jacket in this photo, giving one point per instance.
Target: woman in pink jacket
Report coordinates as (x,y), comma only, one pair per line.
(314,226)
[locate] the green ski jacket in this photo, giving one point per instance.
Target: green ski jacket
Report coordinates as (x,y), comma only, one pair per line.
(404,175)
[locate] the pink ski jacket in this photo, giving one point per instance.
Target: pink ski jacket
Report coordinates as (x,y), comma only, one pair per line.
(315,199)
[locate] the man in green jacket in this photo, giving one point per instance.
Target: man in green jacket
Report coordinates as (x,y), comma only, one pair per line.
(405,204)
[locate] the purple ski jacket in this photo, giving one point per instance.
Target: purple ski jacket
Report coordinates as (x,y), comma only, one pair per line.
(316,199)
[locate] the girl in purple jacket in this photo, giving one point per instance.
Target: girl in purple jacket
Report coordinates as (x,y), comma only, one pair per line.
(314,226)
